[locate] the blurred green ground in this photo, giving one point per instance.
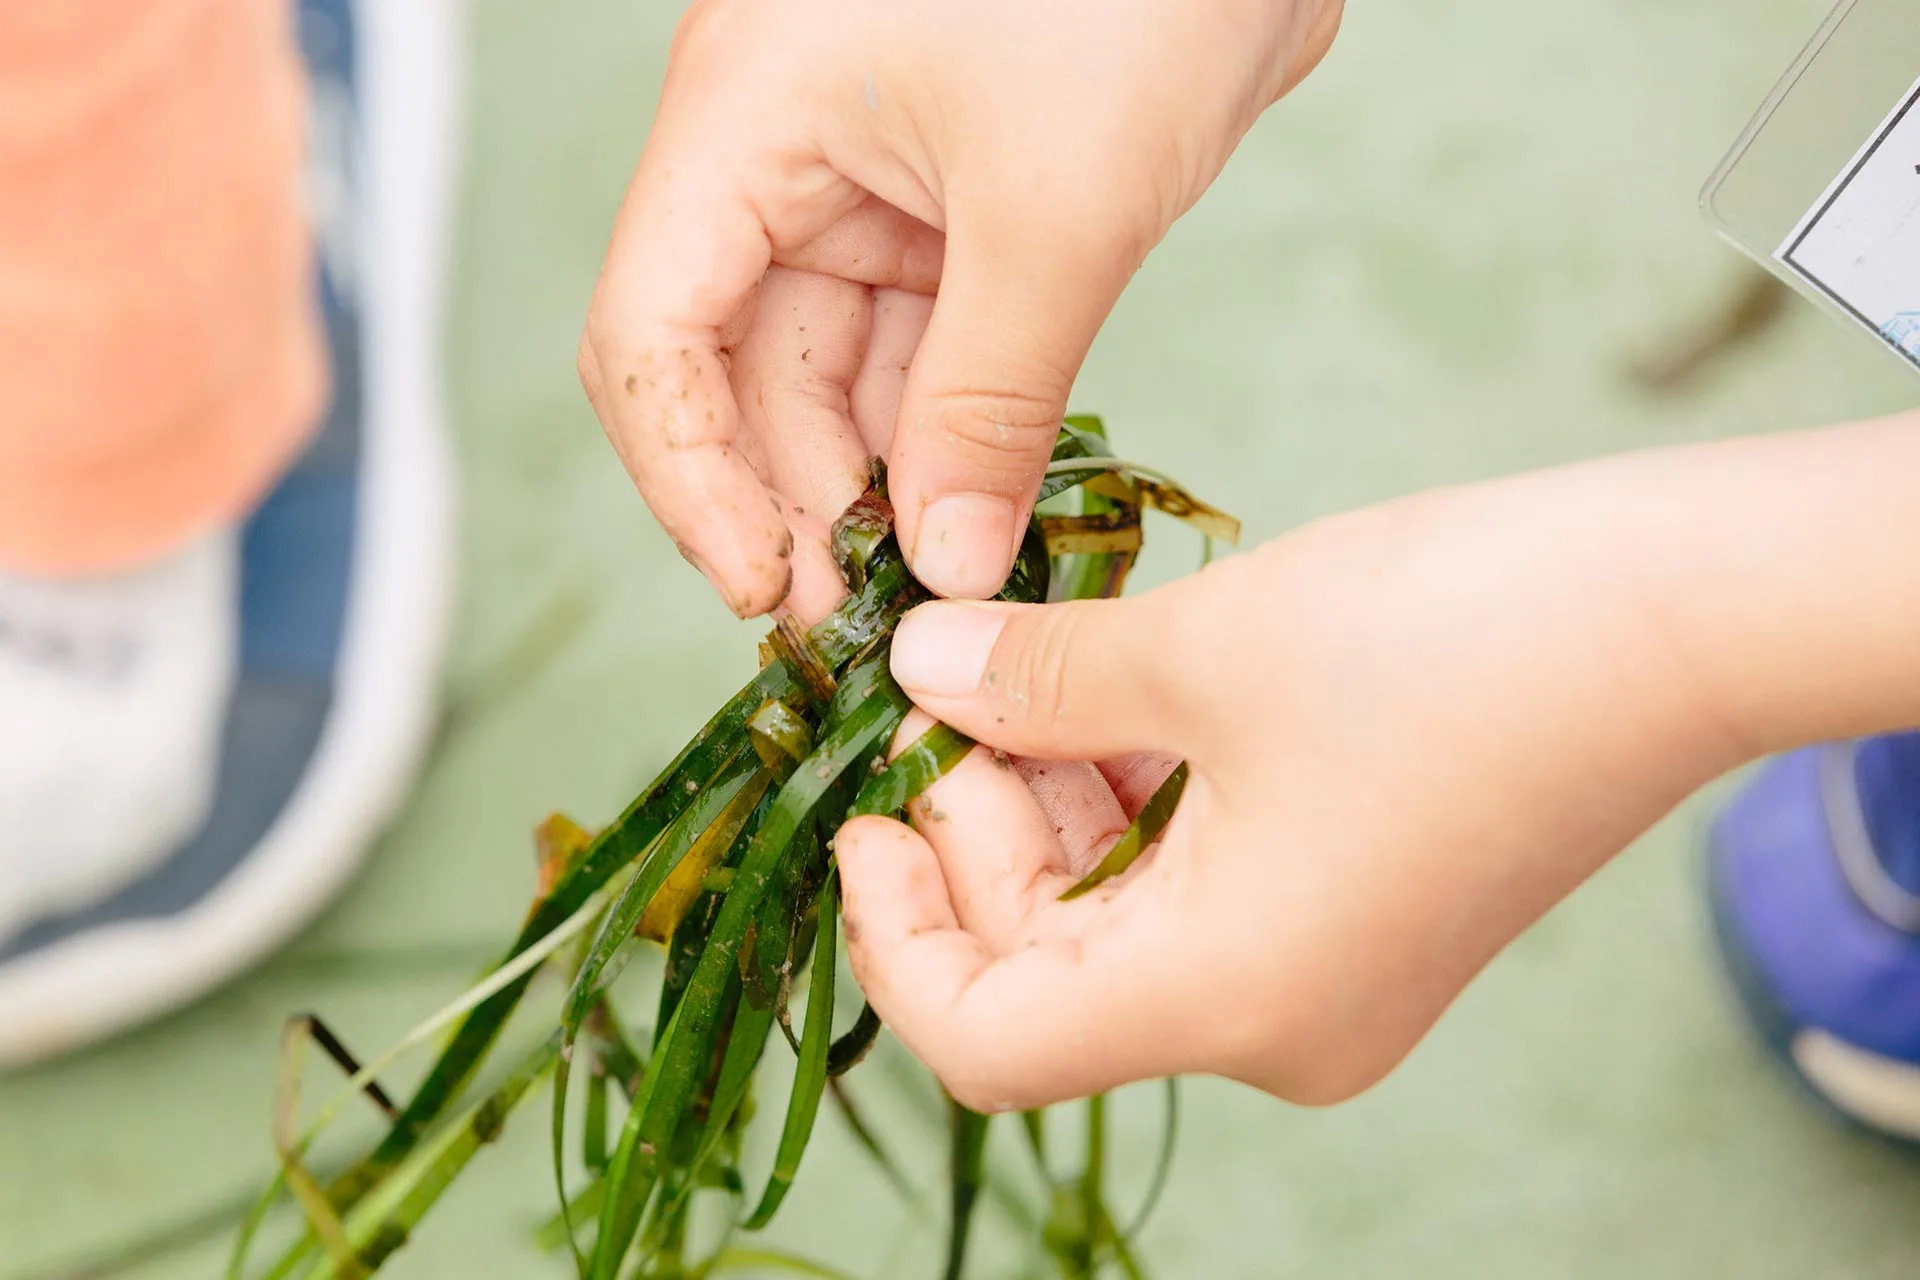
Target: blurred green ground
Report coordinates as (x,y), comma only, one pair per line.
(1428,266)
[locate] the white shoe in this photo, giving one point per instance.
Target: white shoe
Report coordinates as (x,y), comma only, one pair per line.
(282,680)
(113,691)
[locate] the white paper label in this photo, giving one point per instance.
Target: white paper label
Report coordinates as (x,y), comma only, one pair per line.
(1860,245)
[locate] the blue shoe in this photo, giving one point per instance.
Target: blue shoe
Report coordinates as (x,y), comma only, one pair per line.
(1815,888)
(343,578)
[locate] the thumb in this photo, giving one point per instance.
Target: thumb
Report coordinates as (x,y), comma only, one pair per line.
(1017,308)
(1079,680)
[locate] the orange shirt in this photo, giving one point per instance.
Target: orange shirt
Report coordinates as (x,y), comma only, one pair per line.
(160,355)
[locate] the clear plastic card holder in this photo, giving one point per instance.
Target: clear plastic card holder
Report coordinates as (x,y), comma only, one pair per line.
(1823,188)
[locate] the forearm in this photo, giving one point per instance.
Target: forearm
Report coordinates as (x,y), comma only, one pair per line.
(1514,680)
(1601,639)
(1784,572)
(1411,730)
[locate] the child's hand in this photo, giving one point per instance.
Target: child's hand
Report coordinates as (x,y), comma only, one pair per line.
(1015,160)
(1411,731)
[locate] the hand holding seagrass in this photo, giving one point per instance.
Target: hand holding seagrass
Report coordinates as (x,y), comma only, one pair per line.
(724,863)
(859,211)
(1410,730)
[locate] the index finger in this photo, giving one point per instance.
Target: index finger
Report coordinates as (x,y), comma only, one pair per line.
(687,251)
(1078,1009)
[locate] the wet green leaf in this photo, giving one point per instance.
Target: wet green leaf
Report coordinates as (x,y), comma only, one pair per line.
(1143,831)
(810,1076)
(723,858)
(966,1162)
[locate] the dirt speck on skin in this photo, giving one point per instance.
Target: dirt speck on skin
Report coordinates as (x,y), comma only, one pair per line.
(633,383)
(1000,758)
(806,356)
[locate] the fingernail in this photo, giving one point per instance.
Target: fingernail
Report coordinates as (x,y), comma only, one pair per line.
(942,650)
(964,545)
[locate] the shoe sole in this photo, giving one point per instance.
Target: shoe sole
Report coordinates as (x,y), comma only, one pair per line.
(88,986)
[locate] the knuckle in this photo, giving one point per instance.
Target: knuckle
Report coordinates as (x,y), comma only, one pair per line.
(1033,678)
(997,430)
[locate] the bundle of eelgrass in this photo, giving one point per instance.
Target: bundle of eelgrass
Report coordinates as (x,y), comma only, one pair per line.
(726,861)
